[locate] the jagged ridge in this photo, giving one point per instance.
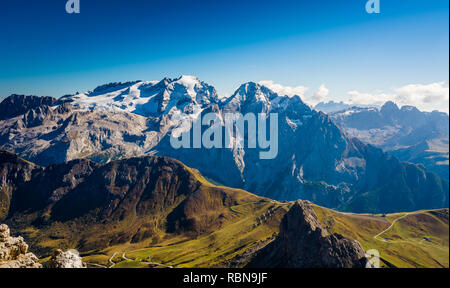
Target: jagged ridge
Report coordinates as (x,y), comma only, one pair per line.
(317,160)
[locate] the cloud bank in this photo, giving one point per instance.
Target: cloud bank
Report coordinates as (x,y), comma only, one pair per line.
(285,90)
(320,94)
(426,97)
(290,91)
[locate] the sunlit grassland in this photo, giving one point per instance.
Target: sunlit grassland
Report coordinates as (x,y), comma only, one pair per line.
(419,239)
(207,250)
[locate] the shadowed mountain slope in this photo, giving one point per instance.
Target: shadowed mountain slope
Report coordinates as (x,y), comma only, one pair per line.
(128,200)
(407,133)
(317,160)
(154,211)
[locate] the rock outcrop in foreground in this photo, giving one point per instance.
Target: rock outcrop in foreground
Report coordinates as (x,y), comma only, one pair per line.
(303,243)
(68,259)
(14,251)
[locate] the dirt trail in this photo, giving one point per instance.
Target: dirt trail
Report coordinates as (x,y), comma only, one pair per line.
(366,217)
(124,257)
(112,262)
(404,241)
(390,227)
(96,265)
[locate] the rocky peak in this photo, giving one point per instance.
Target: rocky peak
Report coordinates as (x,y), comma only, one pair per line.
(293,107)
(14,251)
(113,87)
(149,98)
(252,91)
(331,106)
(68,259)
(249,97)
(304,243)
(16,105)
(191,90)
(257,98)
(389,107)
(410,109)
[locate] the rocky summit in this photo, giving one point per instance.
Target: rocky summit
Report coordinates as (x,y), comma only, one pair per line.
(407,133)
(14,251)
(318,160)
(16,105)
(304,243)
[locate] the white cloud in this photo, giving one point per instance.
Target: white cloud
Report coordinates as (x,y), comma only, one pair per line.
(320,94)
(289,91)
(426,97)
(284,90)
(431,96)
(364,99)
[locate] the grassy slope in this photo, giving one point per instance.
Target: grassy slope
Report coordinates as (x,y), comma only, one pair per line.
(418,239)
(207,250)
(403,245)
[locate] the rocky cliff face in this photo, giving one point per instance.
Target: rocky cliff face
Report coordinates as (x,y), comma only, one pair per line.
(317,159)
(49,135)
(13,172)
(14,251)
(89,206)
(407,133)
(304,243)
(16,105)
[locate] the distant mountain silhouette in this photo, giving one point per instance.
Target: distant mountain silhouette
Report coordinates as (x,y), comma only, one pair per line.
(407,133)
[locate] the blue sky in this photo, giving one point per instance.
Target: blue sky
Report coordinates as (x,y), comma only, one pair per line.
(398,54)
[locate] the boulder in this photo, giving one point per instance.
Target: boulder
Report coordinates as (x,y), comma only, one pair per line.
(68,259)
(14,251)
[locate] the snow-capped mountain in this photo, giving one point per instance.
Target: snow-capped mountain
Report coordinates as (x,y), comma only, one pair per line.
(148,98)
(331,106)
(316,161)
(406,132)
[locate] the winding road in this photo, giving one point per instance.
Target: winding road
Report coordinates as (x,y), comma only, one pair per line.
(112,262)
(390,227)
(124,257)
(154,263)
(404,241)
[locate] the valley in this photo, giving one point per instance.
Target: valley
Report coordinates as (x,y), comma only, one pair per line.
(143,222)
(405,132)
(409,250)
(400,238)
(317,159)
(96,172)
(224,143)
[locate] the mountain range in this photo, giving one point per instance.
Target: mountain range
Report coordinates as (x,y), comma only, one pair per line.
(318,159)
(129,200)
(157,212)
(407,133)
(332,106)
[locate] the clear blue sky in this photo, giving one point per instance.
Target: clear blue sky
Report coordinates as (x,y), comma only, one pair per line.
(45,51)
